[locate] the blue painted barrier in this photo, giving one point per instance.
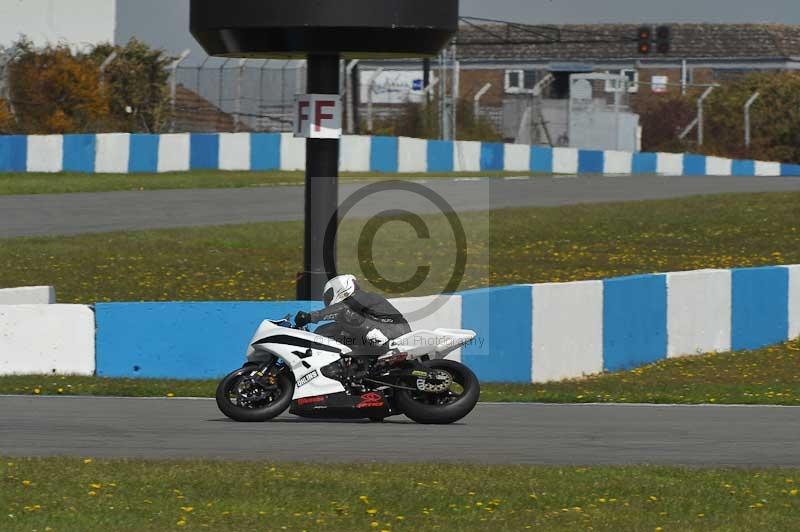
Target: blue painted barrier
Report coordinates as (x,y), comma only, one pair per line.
(634,321)
(204,151)
(760,307)
(143,154)
(180,340)
(273,151)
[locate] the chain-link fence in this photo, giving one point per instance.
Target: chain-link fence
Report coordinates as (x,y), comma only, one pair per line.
(237,95)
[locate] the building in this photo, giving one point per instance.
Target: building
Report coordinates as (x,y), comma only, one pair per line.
(514,58)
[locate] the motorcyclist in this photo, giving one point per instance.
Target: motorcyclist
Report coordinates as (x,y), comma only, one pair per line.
(359,318)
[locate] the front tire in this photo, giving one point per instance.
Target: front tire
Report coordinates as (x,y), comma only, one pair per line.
(446,407)
(263,405)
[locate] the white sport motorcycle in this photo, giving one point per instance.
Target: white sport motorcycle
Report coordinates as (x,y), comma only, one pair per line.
(321,378)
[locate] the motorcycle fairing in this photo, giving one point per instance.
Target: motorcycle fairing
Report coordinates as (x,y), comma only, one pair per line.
(304,352)
(342,405)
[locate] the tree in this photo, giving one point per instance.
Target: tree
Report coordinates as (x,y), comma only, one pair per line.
(137,85)
(54,91)
(7,122)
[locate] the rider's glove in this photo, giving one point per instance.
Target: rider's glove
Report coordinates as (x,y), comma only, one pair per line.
(302,319)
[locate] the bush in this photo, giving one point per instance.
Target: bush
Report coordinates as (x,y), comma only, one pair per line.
(775,119)
(421,120)
(663,117)
(137,85)
(7,122)
(54,91)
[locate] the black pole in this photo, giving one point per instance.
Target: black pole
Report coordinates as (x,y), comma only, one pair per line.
(322,183)
(355,84)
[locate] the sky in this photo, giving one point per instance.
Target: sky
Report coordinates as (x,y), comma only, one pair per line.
(165,23)
(634,11)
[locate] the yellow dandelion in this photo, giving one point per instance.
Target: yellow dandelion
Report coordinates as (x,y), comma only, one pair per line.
(92,493)
(87,461)
(26,482)
(372,511)
(187,509)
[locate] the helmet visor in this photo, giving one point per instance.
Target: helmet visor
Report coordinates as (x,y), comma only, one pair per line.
(327,297)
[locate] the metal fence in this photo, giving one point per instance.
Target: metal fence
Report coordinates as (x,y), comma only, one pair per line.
(523,103)
(258,95)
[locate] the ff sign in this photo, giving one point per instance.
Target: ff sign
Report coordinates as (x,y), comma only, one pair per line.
(318,116)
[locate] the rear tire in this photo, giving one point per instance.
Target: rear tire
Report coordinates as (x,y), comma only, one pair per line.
(275,405)
(415,405)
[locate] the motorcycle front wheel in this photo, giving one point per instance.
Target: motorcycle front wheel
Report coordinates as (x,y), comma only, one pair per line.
(245,396)
(442,406)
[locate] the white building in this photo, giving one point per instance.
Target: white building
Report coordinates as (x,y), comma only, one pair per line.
(77,22)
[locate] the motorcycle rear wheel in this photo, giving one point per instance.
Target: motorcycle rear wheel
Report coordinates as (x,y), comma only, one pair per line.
(275,403)
(441,409)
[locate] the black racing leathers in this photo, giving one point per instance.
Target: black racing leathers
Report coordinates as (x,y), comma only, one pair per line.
(362,319)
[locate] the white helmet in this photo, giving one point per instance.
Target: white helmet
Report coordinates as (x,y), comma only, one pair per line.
(338,289)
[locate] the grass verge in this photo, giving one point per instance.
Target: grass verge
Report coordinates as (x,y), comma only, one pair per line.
(64,183)
(765,376)
(260,261)
(88,495)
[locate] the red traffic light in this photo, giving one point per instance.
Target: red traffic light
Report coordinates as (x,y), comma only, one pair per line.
(645,39)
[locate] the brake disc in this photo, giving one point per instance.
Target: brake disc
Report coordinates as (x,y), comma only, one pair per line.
(439,382)
(250,392)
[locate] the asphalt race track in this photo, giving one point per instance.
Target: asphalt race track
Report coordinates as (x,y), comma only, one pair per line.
(493,433)
(68,214)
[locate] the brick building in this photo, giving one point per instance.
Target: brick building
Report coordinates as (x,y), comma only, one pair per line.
(509,58)
(514,58)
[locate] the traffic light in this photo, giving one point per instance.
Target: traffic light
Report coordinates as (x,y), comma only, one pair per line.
(663,39)
(645,39)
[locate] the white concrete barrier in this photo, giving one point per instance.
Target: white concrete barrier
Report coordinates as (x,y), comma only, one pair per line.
(113,153)
(618,162)
(466,156)
(698,312)
(354,153)
(46,339)
(565,161)
(412,155)
(293,152)
(767,169)
(794,301)
(234,151)
(669,163)
(28,295)
(567,330)
(718,166)
(432,312)
(517,158)
(173,152)
(45,153)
